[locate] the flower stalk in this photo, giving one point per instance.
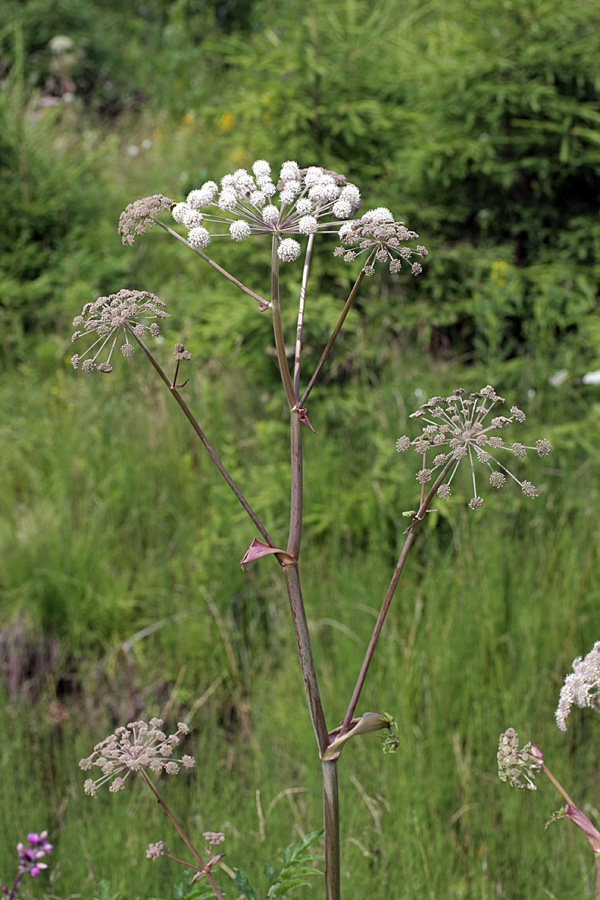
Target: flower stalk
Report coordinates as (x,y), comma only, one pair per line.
(410,538)
(205,442)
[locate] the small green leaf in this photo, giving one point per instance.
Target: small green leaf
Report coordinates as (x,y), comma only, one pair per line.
(280,889)
(104,892)
(243,884)
(269,871)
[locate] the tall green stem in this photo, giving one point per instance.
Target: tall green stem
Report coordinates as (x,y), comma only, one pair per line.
(331,819)
(292,580)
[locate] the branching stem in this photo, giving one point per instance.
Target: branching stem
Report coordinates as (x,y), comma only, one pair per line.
(411,534)
(183,835)
(557,785)
(263,304)
(336,330)
(301,307)
(205,443)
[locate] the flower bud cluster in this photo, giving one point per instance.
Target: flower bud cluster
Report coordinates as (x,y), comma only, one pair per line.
(30,859)
(518,767)
(139,746)
(455,429)
(140,216)
(376,230)
(248,204)
(126,313)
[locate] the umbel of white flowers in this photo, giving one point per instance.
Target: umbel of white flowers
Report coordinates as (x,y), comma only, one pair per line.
(128,313)
(581,687)
(299,202)
(302,202)
(456,429)
(140,745)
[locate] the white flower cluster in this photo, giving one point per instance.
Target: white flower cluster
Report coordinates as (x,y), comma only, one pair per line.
(581,687)
(248,204)
(455,429)
(139,746)
(125,313)
(376,230)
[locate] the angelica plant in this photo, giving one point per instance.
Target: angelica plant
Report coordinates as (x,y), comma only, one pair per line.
(294,209)
(143,747)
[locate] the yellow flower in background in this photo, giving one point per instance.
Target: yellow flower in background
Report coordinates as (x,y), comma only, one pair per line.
(187,120)
(227,121)
(499,273)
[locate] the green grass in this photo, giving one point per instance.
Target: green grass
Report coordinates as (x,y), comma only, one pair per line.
(113,523)
(121,594)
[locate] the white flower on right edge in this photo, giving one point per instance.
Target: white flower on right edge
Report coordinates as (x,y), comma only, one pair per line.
(581,687)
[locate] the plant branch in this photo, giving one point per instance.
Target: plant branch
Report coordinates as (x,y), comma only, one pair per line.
(307,665)
(172,818)
(264,304)
(183,836)
(411,534)
(206,444)
(336,330)
(557,785)
(296,491)
(277,326)
(301,306)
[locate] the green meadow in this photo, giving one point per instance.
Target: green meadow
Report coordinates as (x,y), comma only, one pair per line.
(121,591)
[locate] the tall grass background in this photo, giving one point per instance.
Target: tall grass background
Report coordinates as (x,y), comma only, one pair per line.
(121,545)
(121,594)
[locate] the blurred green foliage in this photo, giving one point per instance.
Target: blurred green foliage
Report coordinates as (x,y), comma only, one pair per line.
(479,126)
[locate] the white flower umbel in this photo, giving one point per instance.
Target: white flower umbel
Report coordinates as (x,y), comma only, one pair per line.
(376,230)
(300,202)
(126,313)
(581,687)
(456,429)
(139,746)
